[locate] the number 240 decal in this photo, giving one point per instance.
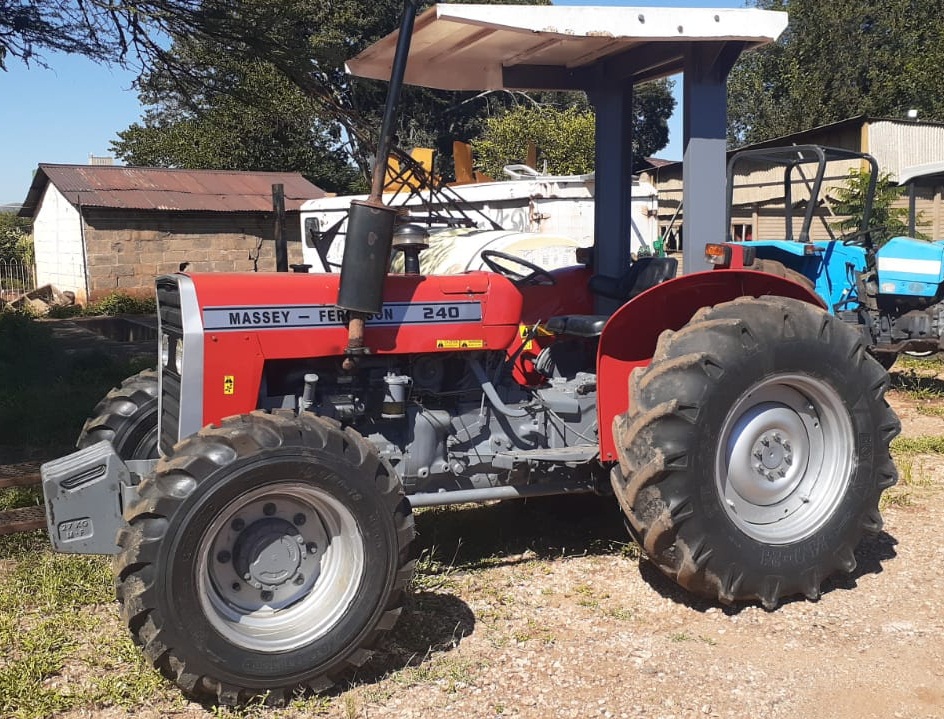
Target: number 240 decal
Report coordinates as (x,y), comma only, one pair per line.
(443,312)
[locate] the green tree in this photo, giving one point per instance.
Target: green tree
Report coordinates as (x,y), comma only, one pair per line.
(16,240)
(264,78)
(850,197)
(565,136)
(260,122)
(838,60)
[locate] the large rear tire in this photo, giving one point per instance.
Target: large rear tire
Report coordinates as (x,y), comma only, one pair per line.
(773,267)
(755,450)
(126,417)
(265,556)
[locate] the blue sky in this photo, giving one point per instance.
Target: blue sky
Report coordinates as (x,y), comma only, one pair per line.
(75,108)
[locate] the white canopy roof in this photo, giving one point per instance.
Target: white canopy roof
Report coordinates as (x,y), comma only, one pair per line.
(469,47)
(915,173)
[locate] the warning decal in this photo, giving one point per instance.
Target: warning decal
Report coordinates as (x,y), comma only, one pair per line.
(460,344)
(229,384)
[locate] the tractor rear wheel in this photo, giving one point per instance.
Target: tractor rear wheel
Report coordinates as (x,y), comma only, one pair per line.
(773,267)
(126,417)
(265,556)
(755,450)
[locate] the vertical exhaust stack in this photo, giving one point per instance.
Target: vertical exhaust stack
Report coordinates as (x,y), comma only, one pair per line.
(370,223)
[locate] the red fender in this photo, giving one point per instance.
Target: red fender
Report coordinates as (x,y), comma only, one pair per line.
(629,337)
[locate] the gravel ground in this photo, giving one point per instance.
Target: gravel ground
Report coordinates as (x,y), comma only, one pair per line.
(548,623)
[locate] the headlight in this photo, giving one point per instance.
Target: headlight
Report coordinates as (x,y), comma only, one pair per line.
(179,355)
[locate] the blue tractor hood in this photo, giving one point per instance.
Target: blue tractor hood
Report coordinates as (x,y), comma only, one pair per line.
(910,267)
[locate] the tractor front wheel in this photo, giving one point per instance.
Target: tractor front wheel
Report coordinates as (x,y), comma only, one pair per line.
(755,450)
(265,556)
(126,417)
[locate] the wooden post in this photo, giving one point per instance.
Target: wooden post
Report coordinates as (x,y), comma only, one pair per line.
(281,245)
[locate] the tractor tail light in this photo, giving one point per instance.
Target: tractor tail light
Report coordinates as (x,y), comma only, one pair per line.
(718,255)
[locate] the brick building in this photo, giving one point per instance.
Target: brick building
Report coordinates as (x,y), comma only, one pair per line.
(97,229)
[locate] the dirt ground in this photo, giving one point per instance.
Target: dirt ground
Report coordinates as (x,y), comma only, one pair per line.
(579,627)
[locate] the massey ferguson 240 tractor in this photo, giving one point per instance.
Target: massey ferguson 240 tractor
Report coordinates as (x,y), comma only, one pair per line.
(256,491)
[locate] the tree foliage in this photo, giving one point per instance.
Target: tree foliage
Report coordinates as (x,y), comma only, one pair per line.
(16,241)
(885,216)
(263,87)
(564,136)
(838,60)
(260,122)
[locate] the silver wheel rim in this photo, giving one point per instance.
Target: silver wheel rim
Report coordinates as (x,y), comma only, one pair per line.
(279,567)
(785,458)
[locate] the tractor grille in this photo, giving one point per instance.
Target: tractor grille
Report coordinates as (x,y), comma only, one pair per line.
(168,302)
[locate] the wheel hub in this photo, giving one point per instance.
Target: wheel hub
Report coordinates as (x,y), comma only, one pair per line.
(269,553)
(769,451)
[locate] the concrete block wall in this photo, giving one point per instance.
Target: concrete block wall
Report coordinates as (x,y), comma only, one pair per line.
(126,251)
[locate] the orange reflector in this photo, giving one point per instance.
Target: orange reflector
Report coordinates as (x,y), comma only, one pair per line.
(718,254)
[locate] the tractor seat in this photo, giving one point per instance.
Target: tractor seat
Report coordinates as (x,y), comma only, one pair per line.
(576,325)
(643,274)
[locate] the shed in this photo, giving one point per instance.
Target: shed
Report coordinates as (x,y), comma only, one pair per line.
(896,143)
(97,229)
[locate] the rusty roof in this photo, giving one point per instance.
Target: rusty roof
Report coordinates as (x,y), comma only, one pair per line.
(163,189)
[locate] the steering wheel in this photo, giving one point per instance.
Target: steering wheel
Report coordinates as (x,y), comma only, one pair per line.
(862,238)
(537,275)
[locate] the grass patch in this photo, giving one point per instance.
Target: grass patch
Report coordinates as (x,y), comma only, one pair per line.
(929,444)
(912,474)
(920,381)
(54,653)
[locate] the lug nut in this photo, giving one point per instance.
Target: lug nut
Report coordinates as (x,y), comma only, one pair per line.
(237,525)
(268,509)
(223,557)
(299,580)
(299,519)
(311,547)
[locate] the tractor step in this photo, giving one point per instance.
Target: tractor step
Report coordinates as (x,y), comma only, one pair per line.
(25,519)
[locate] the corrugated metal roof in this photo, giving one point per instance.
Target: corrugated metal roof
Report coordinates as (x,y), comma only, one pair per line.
(152,188)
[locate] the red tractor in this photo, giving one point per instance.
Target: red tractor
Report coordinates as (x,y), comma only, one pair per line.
(257,491)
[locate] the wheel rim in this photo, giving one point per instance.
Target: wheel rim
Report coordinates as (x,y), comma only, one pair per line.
(279,566)
(785,458)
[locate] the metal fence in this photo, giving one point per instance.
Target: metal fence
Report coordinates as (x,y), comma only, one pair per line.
(16,277)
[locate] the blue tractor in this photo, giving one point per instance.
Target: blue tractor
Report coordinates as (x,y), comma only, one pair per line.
(893,293)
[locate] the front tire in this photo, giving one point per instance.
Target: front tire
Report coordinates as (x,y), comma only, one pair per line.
(126,417)
(265,556)
(755,450)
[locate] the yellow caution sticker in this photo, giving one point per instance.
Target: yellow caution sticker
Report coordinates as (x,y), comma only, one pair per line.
(229,384)
(460,344)
(525,332)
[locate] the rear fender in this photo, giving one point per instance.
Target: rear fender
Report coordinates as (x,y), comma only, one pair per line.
(630,336)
